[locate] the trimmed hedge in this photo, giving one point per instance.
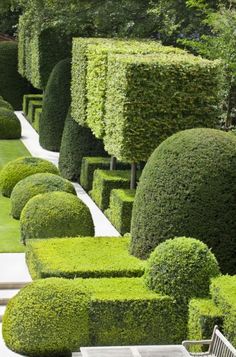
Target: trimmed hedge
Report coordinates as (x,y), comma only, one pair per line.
(27,98)
(223,291)
(18,169)
(104,182)
(120,209)
(184,190)
(47,318)
(5,105)
(56,102)
(33,105)
(34,185)
(10,127)
(37,116)
(82,257)
(76,143)
(55,214)
(156,96)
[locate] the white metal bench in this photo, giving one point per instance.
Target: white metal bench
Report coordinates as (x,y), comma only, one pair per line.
(219,346)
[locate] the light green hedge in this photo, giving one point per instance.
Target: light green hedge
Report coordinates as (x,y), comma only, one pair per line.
(33,105)
(26,100)
(37,116)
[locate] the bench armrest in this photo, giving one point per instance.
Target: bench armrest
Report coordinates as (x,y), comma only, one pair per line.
(196,342)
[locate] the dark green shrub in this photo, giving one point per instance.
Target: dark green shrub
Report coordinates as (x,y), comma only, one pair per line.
(120,209)
(10,127)
(37,116)
(82,257)
(104,182)
(26,100)
(47,318)
(5,105)
(181,267)
(76,143)
(33,104)
(184,191)
(18,169)
(33,185)
(55,214)
(56,102)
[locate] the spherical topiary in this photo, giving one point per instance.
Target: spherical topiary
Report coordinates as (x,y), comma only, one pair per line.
(10,127)
(5,104)
(20,168)
(188,188)
(55,214)
(77,142)
(181,267)
(47,318)
(34,185)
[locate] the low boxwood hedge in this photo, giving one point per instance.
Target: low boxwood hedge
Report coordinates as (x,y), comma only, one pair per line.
(82,257)
(10,126)
(27,98)
(37,116)
(33,104)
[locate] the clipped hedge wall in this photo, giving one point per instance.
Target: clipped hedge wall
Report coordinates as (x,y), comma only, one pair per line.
(184,190)
(55,214)
(10,127)
(76,143)
(104,182)
(56,102)
(18,169)
(26,100)
(33,105)
(47,318)
(35,184)
(37,116)
(82,257)
(120,209)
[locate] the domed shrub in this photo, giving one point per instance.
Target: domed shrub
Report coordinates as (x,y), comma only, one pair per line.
(20,168)
(181,267)
(34,185)
(77,142)
(47,318)
(5,104)
(56,102)
(188,188)
(55,214)
(10,127)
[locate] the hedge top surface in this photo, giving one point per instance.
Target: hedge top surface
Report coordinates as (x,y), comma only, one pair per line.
(5,104)
(34,185)
(183,191)
(224,288)
(20,168)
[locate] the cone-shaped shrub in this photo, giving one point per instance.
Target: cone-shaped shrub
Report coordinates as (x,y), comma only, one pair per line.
(10,127)
(20,168)
(6,105)
(34,185)
(55,214)
(77,142)
(56,101)
(188,188)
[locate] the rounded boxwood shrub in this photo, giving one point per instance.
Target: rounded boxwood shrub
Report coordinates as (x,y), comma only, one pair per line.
(5,104)
(77,142)
(10,127)
(56,102)
(188,188)
(181,267)
(47,318)
(55,214)
(34,185)
(18,169)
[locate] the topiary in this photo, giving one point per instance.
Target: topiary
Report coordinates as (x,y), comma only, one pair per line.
(188,188)
(77,142)
(47,318)
(10,127)
(34,185)
(55,214)
(18,169)
(5,104)
(56,101)
(181,267)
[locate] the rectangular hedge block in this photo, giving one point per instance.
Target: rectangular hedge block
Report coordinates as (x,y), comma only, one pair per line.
(37,116)
(27,98)
(120,209)
(82,257)
(104,182)
(154,96)
(33,104)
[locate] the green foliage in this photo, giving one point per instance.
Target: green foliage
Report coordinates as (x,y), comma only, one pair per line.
(120,209)
(76,143)
(82,257)
(26,100)
(37,116)
(34,185)
(18,169)
(5,105)
(184,191)
(56,102)
(33,105)
(47,318)
(182,268)
(104,182)
(156,96)
(55,214)
(10,127)
(223,291)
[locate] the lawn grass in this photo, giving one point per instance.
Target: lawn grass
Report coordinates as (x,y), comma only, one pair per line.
(9,227)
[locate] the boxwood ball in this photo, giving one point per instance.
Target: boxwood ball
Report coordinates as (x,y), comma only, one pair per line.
(10,127)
